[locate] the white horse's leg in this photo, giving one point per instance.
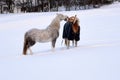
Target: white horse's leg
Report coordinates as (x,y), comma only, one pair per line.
(30,51)
(53,44)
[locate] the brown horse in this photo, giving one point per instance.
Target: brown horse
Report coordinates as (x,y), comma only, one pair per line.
(71,31)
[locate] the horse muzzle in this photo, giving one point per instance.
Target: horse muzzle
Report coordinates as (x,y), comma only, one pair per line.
(66,19)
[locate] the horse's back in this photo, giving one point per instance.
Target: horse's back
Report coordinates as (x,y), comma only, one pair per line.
(42,35)
(32,32)
(36,34)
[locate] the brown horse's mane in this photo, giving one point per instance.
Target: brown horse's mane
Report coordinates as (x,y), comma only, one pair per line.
(75,26)
(75,21)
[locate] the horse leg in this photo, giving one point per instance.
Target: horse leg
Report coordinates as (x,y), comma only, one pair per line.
(68,44)
(75,43)
(72,42)
(30,51)
(53,43)
(30,44)
(27,44)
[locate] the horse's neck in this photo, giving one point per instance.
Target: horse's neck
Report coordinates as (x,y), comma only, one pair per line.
(75,27)
(55,24)
(56,21)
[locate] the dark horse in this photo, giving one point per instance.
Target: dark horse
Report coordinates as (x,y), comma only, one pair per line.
(71,31)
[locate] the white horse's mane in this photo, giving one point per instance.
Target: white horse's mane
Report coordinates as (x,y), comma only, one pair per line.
(55,24)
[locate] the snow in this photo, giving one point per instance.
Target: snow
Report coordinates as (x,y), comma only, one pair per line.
(97,56)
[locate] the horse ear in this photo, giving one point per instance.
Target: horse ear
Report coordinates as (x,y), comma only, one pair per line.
(75,19)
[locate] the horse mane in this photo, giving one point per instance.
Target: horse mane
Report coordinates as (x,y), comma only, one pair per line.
(55,24)
(75,26)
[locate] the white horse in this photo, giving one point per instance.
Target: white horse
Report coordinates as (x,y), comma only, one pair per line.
(51,33)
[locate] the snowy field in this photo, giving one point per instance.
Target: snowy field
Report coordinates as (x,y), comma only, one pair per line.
(97,56)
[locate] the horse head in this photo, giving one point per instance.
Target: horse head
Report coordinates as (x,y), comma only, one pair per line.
(62,17)
(71,31)
(75,22)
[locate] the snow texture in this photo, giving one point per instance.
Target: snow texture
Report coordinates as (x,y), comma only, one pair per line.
(97,56)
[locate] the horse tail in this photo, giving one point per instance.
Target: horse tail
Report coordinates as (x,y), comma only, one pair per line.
(25,45)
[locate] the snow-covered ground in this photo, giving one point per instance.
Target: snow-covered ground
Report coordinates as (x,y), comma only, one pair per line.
(97,56)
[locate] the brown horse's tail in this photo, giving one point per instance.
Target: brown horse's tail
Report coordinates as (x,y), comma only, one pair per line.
(25,46)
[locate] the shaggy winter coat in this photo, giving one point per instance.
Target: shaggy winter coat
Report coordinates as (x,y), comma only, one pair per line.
(50,34)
